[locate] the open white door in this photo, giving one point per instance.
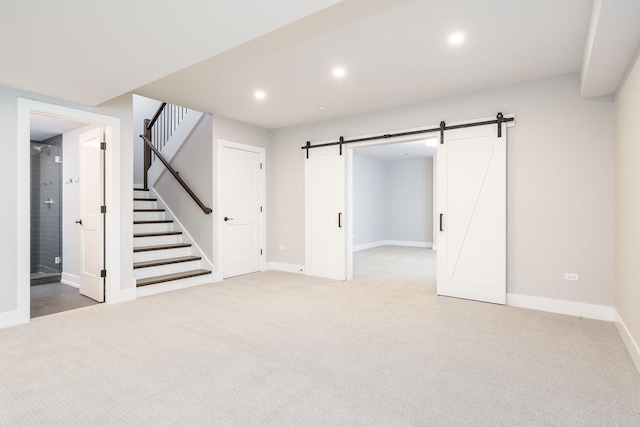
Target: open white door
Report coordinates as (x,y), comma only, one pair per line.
(241,195)
(91,200)
(472,179)
(325,240)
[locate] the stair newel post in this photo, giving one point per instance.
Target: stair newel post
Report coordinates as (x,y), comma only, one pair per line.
(147,153)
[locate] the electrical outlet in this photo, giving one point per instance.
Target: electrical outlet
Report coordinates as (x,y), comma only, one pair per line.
(572,277)
(281,247)
(57,260)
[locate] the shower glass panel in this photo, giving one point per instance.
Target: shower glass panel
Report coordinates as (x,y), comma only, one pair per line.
(46,210)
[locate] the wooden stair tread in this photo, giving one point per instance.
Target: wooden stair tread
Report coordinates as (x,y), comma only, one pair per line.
(159,233)
(144,199)
(140,189)
(148,210)
(154,221)
(170,277)
(166,261)
(161,247)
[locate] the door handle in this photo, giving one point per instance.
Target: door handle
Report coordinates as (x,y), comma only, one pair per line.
(79,222)
(441,215)
(226,218)
(339,219)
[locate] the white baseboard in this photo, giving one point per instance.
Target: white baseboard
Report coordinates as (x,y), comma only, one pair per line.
(363,246)
(124,296)
(282,266)
(12,318)
(627,338)
(589,311)
(408,243)
(71,280)
(371,245)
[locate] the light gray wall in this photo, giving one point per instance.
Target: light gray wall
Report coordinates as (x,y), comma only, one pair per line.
(560,182)
(369,199)
(410,200)
(143,108)
(627,289)
(193,162)
(121,108)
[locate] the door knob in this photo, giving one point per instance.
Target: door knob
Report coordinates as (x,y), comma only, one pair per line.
(79,222)
(226,218)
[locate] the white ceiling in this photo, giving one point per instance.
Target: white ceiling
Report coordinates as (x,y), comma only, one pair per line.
(395,52)
(43,127)
(212,55)
(400,151)
(90,51)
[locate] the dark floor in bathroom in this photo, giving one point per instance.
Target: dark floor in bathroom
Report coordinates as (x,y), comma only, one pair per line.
(55,298)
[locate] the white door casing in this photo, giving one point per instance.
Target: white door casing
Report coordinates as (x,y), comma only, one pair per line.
(471,256)
(92,227)
(241,208)
(325,222)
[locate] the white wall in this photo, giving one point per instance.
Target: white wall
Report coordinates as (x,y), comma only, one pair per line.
(627,224)
(121,108)
(560,182)
(410,201)
(369,199)
(193,162)
(392,200)
(143,108)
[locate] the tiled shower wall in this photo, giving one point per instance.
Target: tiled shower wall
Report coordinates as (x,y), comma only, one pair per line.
(46,219)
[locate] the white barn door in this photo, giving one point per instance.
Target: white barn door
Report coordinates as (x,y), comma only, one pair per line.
(325,201)
(471,257)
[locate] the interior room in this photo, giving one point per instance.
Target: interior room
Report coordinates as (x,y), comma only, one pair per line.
(260,264)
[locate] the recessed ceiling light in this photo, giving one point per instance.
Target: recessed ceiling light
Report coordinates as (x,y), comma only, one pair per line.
(339,72)
(322,107)
(431,142)
(259,94)
(456,39)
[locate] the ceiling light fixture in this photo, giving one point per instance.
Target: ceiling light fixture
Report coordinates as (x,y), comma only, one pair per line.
(322,107)
(431,142)
(456,39)
(259,94)
(339,72)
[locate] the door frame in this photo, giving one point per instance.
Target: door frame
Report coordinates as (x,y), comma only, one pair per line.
(112,186)
(219,223)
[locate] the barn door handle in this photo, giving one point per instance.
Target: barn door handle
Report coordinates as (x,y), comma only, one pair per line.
(339,219)
(441,215)
(226,218)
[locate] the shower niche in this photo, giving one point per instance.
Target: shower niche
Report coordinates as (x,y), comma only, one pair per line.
(46,210)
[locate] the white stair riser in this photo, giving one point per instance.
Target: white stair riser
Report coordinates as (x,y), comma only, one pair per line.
(163,254)
(144,204)
(152,228)
(139,194)
(173,285)
(156,240)
(141,273)
(147,216)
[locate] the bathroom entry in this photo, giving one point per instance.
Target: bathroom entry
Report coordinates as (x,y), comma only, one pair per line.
(67,227)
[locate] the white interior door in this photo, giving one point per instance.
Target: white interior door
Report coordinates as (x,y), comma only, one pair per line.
(325,240)
(242,184)
(92,226)
(471,257)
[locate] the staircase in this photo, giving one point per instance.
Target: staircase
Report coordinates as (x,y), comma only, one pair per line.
(163,259)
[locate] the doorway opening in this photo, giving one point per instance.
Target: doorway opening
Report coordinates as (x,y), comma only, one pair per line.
(392,201)
(63,176)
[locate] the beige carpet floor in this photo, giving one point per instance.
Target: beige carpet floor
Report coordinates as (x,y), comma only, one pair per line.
(283,349)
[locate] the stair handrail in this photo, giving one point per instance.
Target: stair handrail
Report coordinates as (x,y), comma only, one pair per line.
(149,145)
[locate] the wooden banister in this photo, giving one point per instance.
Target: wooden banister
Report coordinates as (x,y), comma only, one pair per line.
(149,146)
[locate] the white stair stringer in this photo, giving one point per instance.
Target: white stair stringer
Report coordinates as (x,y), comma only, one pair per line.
(182,259)
(173,144)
